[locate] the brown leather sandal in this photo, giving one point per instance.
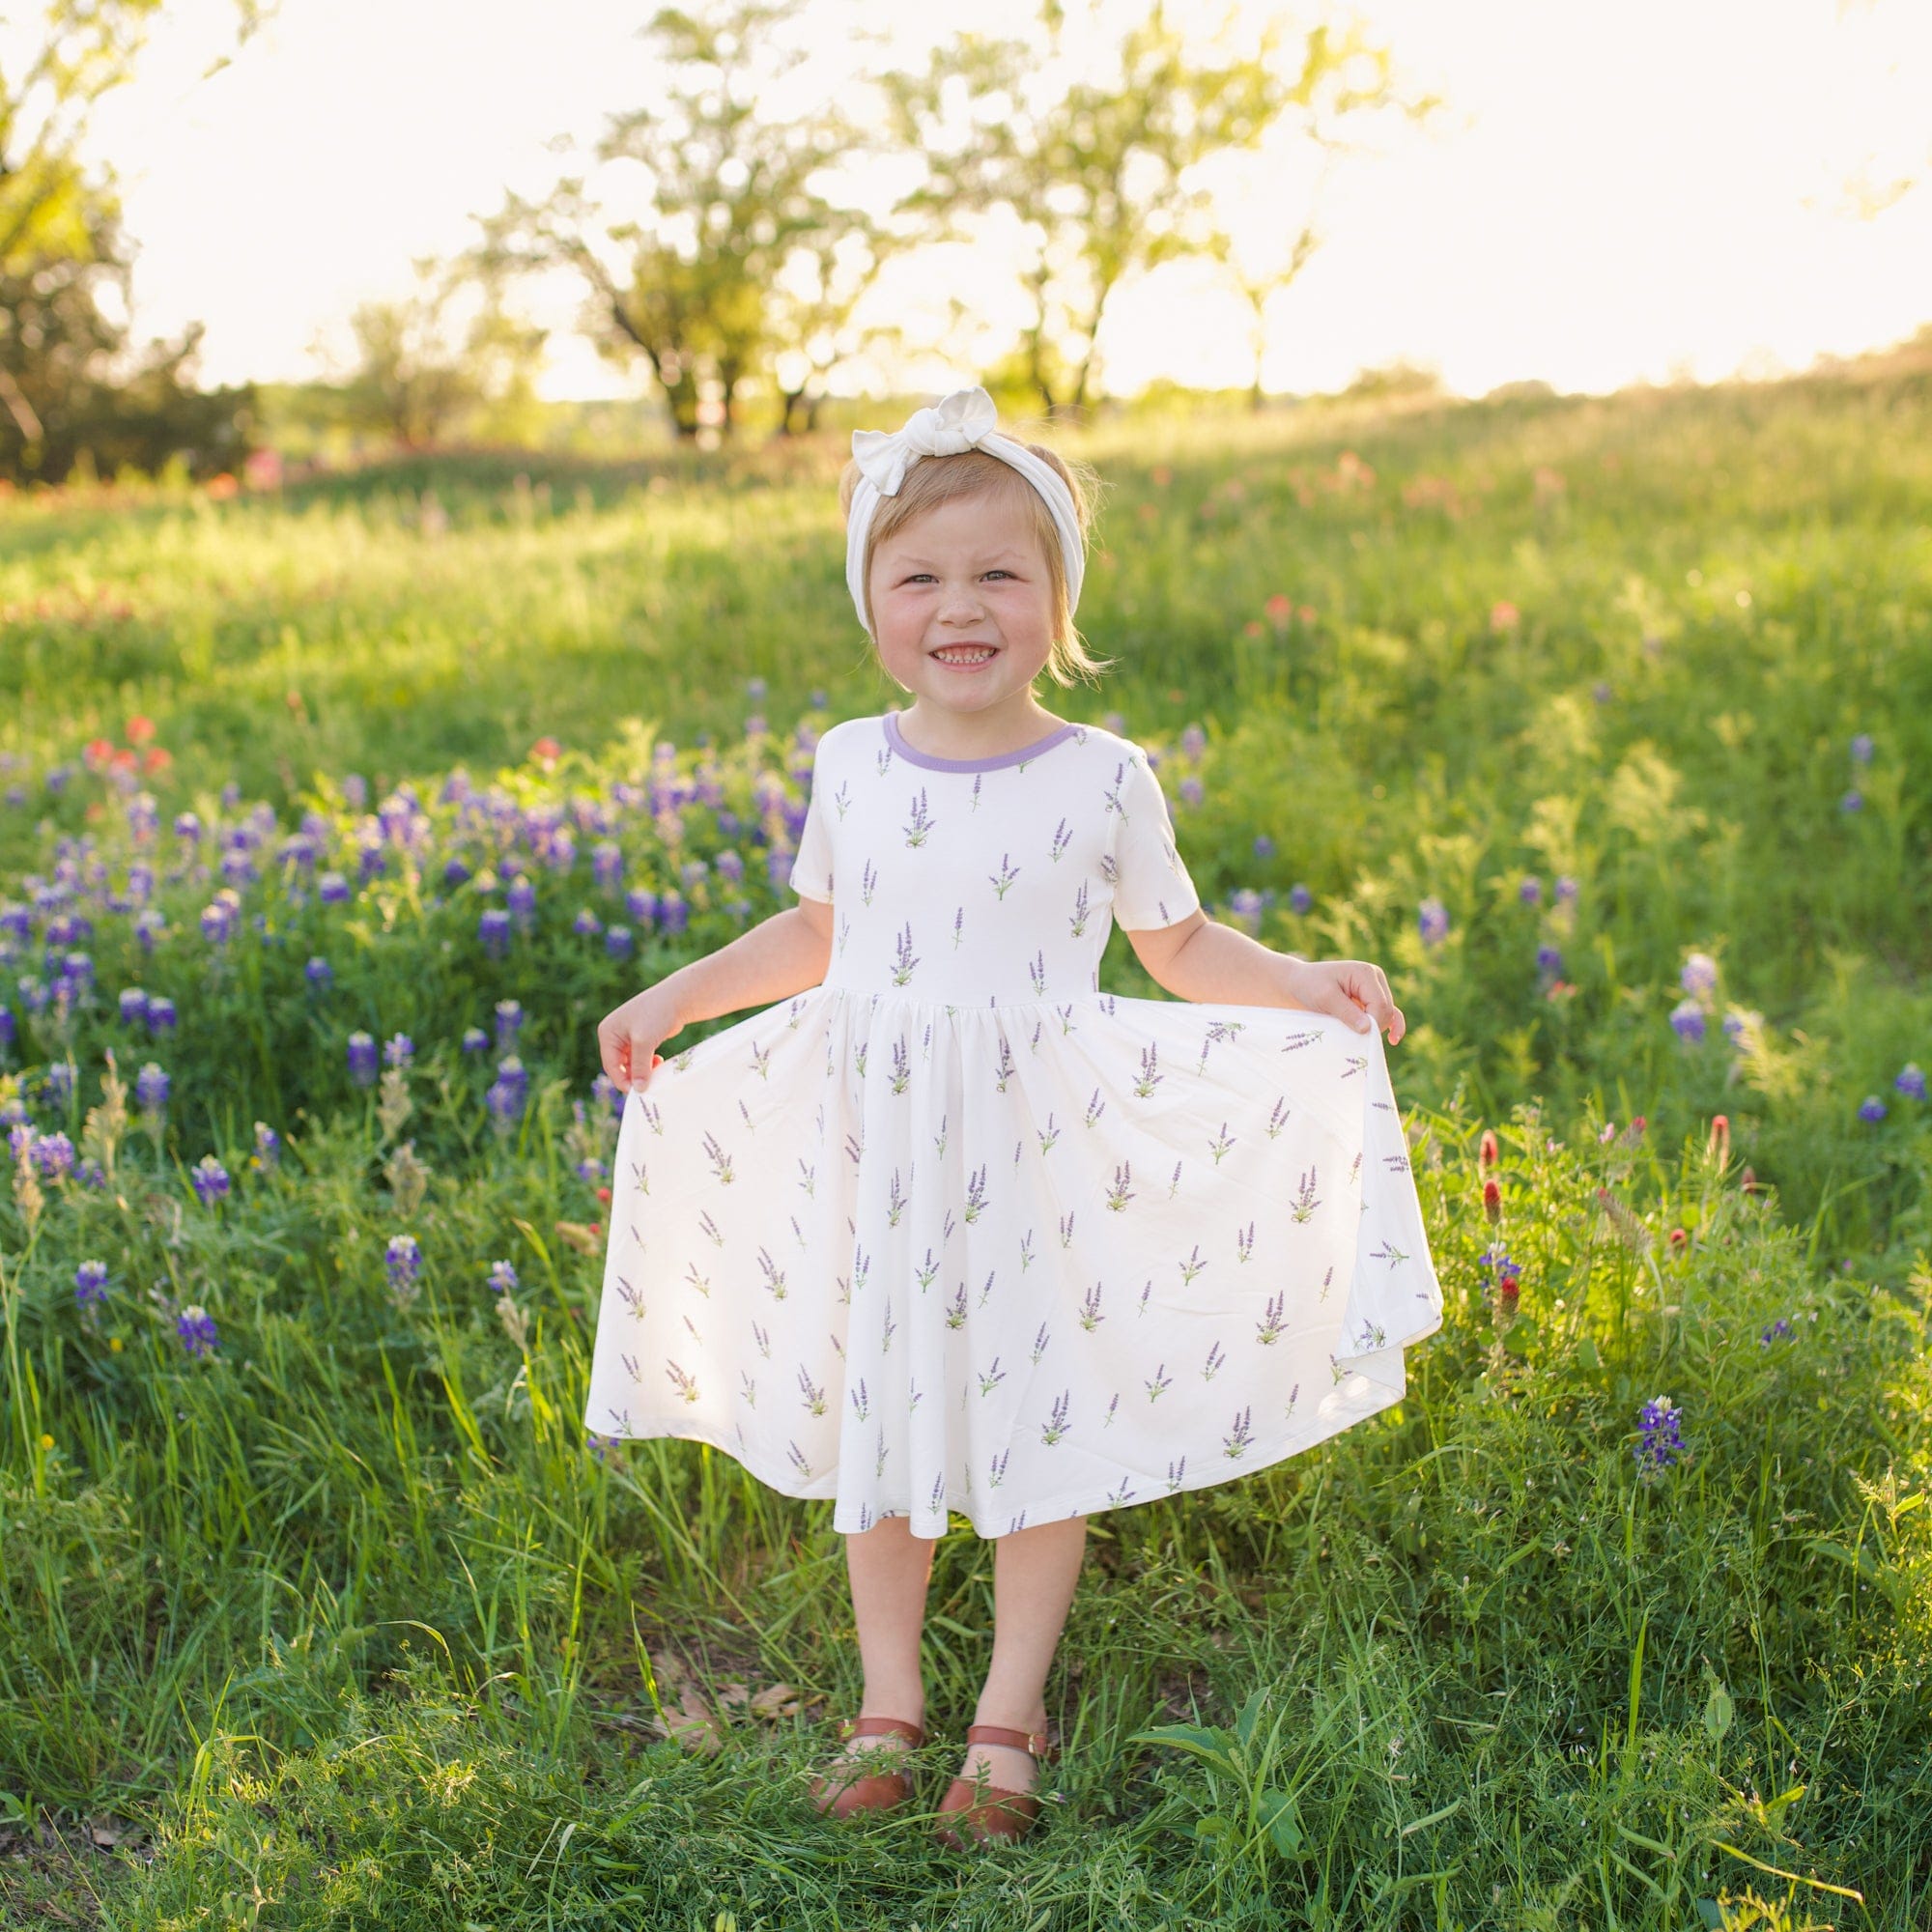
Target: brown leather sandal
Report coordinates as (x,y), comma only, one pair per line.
(990,1811)
(849,1788)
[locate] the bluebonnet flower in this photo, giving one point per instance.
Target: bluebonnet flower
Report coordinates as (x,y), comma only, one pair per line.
(475,1039)
(1299,897)
(152,1086)
(195,1326)
(1549,959)
(674,913)
(1699,973)
(1530,892)
(493,930)
(1853,801)
(1687,1018)
(1433,918)
(361,1059)
(502,1277)
(1661,1442)
(1862,748)
(319,972)
(90,1283)
(268,1146)
(1872,1108)
(509,1020)
(399,1050)
(1781,1327)
(1263,845)
(1245,904)
(1911,1082)
(1566,889)
(134,1006)
(1194,741)
(331,888)
(53,1155)
(617,940)
(641,903)
(454,871)
(403,1258)
(1192,791)
(209,1178)
(521,896)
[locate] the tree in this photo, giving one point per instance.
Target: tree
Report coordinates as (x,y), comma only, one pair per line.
(1104,174)
(61,241)
(415,377)
(730,191)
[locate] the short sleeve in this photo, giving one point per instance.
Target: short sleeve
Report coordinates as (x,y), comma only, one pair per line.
(812,865)
(1152,887)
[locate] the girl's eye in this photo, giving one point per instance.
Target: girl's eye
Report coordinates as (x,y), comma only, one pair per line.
(919,576)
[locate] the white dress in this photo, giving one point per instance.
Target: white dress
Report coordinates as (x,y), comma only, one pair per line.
(956,1230)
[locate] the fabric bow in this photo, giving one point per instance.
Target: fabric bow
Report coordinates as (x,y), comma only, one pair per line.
(956,424)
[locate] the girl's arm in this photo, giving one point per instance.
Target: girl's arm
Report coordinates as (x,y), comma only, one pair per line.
(1197,958)
(779,957)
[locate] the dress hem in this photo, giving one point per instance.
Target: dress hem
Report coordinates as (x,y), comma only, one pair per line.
(1384,1395)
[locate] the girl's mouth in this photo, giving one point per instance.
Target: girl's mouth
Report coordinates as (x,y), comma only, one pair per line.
(965,657)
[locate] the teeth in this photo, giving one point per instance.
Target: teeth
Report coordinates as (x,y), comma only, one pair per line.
(953,655)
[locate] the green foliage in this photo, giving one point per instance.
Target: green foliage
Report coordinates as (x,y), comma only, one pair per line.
(352,1619)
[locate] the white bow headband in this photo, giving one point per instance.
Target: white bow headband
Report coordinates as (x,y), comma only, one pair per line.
(966,419)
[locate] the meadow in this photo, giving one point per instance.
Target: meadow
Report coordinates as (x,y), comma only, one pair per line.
(332,818)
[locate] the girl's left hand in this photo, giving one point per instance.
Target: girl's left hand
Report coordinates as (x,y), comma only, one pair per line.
(1355,991)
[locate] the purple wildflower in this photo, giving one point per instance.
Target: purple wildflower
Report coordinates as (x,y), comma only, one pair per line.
(1862,748)
(1872,1108)
(1687,1018)
(1300,898)
(1661,1443)
(361,1059)
(90,1283)
(1911,1082)
(209,1178)
(1699,973)
(195,1326)
(1433,918)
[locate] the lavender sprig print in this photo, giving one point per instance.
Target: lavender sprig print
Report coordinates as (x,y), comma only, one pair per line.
(1007,1067)
(1174,1185)
(1062,836)
(921,824)
(712,1231)
(842,797)
(1082,911)
(1191,1266)
(633,1368)
(955,1308)
(926,1272)
(1217,1029)
(700,1282)
(807,1178)
(1004,876)
(939,1139)
(997,1470)
(1113,801)
(1056,1426)
(869,883)
(861,1401)
(797,1458)
(1048,1134)
(888,1328)
(901,1065)
(1145,1296)
(721,1161)
(761,1061)
(632,1296)
(1220,1145)
(973,803)
(1268,1331)
(958,926)
(774,1280)
(1027,1256)
(1151,1075)
(975,1193)
(1091,1316)
(1244,1243)
(749,1389)
(988,1288)
(1240,1438)
(810,1392)
(991,1378)
(896,1200)
(1216,1361)
(903,970)
(1041,1341)
(1305,1202)
(1066,1229)
(1096,1107)
(1037,973)
(1107,1420)
(685,1385)
(1278,1119)
(1177,1475)
(1388,1252)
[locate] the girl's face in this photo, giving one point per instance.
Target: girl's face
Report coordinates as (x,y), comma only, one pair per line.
(961,605)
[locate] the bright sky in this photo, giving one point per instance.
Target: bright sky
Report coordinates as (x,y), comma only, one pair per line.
(1620,191)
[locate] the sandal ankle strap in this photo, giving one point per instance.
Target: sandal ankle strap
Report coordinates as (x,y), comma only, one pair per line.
(883,1728)
(1037,1743)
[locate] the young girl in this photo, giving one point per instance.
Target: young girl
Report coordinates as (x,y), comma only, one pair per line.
(947,1228)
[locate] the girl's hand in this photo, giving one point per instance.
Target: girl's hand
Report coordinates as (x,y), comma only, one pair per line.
(628,1037)
(1354,990)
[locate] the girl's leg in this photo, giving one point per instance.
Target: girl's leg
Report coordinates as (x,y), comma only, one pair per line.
(1034,1572)
(890,1569)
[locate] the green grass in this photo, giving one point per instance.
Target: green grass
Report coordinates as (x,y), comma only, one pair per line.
(347,1620)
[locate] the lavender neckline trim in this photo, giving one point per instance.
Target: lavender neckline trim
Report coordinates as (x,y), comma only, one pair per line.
(926,761)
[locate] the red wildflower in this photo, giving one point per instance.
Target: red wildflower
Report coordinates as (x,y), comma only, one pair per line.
(604,1195)
(1492,1201)
(140,730)
(1280,608)
(1489,1152)
(222,486)
(546,748)
(1503,616)
(1719,1147)
(157,759)
(1678,1237)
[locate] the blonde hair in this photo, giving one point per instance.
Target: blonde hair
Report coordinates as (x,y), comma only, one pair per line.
(934,480)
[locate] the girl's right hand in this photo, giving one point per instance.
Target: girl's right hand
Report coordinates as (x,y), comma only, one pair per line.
(628,1038)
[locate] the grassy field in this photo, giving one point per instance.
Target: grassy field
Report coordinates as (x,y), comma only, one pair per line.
(331,821)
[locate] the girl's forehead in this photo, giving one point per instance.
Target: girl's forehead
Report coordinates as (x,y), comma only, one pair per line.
(965,522)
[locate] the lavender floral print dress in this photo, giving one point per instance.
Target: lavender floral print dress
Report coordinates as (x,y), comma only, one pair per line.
(957,1230)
